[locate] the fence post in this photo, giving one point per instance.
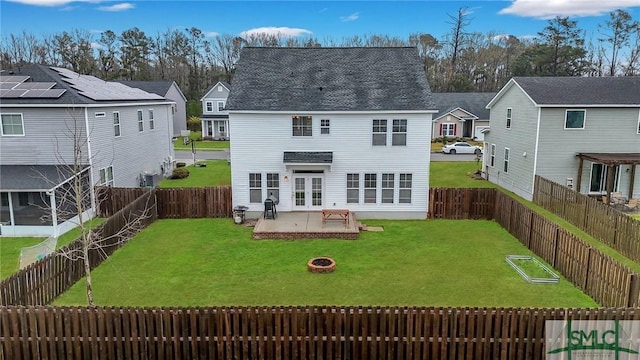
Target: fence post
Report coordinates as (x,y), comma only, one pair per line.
(634,291)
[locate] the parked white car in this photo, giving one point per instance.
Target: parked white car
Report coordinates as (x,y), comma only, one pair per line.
(461,148)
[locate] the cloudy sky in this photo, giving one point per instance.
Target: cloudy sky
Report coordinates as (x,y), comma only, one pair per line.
(321,19)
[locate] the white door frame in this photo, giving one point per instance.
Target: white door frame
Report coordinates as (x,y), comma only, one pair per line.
(303,200)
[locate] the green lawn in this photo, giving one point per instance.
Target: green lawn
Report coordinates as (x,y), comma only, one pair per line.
(216,173)
(199,262)
(456,174)
(178,143)
(10,248)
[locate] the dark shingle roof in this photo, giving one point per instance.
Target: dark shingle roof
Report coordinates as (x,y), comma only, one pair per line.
(43,73)
(474,103)
(329,79)
(582,90)
(32,177)
(160,87)
(308,157)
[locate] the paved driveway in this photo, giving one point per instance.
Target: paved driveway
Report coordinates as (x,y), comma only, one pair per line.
(186,155)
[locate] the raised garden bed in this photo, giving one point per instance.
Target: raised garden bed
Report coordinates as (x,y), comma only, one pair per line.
(532,270)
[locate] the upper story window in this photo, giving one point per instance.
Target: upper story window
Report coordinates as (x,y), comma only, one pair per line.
(399,135)
(508,118)
(325,126)
(574,119)
(220,105)
(220,88)
(116,123)
(379,137)
(301,125)
(208,106)
(140,121)
(152,124)
(12,125)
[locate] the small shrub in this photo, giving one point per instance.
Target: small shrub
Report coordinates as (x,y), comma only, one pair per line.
(181,164)
(180,173)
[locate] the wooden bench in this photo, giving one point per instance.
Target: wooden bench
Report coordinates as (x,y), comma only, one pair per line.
(335,214)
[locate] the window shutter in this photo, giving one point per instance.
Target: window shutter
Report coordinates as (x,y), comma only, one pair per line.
(441,129)
(455,127)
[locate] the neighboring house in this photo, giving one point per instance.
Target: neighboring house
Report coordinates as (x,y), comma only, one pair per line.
(577,131)
(215,116)
(339,128)
(461,115)
(168,90)
(57,124)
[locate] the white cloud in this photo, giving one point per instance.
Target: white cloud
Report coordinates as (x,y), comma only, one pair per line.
(351,17)
(571,8)
(51,2)
(117,7)
(281,31)
(95,45)
(210,33)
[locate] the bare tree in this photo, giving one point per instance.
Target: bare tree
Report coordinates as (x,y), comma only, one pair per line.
(75,200)
(227,52)
(618,31)
(456,41)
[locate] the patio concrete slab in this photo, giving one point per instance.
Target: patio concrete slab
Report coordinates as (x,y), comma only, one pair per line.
(305,225)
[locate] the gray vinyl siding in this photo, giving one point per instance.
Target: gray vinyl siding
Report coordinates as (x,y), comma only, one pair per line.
(180,117)
(260,140)
(46,136)
(133,152)
(520,140)
(611,130)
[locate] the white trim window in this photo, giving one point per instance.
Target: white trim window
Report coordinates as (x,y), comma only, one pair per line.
(399,132)
(12,125)
(370,188)
(404,194)
(152,124)
(575,119)
(325,126)
(638,122)
(255,188)
(116,123)
(353,188)
(302,125)
(508,124)
(506,160)
(140,121)
(493,155)
(273,185)
(220,106)
(208,105)
(106,176)
(379,133)
(448,129)
(388,185)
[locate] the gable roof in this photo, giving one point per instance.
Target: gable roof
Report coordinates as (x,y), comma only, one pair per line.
(71,96)
(329,79)
(223,83)
(578,91)
(158,87)
(473,103)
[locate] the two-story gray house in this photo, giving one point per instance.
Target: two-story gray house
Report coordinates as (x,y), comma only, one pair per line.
(215,116)
(169,90)
(582,132)
(57,126)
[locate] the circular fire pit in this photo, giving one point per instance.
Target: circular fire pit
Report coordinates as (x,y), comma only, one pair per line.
(321,265)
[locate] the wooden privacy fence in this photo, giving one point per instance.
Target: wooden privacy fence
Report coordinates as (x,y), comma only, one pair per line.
(599,220)
(462,203)
(284,332)
(44,280)
(173,203)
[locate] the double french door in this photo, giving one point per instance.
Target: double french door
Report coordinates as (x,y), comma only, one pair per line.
(308,192)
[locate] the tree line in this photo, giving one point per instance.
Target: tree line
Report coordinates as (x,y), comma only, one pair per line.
(459,61)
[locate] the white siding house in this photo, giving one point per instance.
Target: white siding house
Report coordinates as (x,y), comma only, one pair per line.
(117,135)
(567,129)
(325,128)
(215,116)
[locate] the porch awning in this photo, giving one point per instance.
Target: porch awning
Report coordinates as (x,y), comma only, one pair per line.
(612,159)
(33,178)
(308,157)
